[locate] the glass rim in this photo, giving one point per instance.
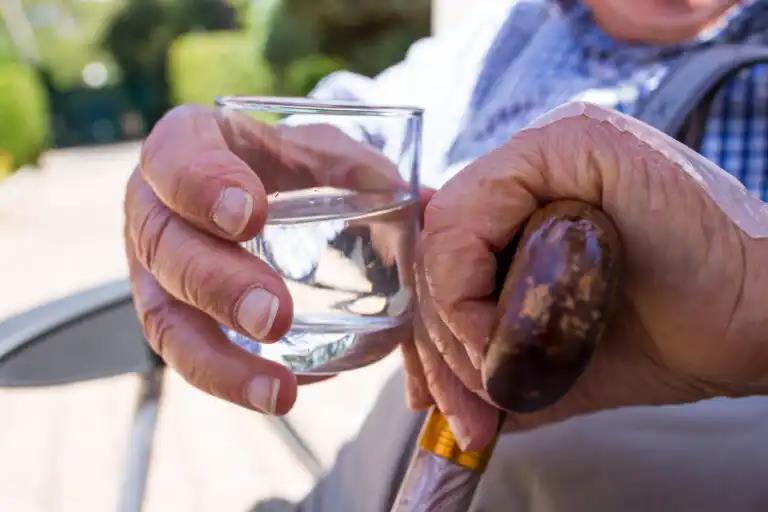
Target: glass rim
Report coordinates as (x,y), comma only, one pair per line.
(299,105)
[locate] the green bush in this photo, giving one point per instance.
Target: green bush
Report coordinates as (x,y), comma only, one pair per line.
(368,35)
(303,74)
(202,66)
(289,38)
(139,39)
(7,51)
(24,114)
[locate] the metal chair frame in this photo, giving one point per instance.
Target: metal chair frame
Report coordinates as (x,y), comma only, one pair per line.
(95,334)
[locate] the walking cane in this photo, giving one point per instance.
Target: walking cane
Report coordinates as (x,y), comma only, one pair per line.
(554,303)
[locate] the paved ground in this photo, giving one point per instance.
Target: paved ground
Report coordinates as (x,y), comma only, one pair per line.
(61,449)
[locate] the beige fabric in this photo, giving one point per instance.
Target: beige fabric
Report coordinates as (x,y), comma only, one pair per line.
(711,456)
(367,472)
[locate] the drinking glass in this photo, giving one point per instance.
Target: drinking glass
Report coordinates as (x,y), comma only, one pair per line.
(340,234)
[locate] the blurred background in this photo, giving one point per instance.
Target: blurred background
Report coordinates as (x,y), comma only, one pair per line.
(81,83)
(77,72)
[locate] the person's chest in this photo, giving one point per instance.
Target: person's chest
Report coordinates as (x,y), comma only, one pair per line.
(539,58)
(561,60)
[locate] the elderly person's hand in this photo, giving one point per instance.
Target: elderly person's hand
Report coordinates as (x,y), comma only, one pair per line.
(691,321)
(201,187)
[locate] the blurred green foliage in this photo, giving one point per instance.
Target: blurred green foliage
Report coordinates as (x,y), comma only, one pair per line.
(160,52)
(202,66)
(68,34)
(140,36)
(303,73)
(24,113)
(368,35)
(7,51)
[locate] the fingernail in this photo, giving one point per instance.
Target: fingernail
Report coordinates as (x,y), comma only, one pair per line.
(262,393)
(232,210)
(459,431)
(256,312)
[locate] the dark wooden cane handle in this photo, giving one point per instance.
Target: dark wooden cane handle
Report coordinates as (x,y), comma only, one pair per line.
(554,305)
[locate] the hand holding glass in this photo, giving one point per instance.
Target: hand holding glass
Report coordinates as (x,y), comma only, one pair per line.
(342,219)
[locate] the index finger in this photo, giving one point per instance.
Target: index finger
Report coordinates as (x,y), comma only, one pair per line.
(188,163)
(215,168)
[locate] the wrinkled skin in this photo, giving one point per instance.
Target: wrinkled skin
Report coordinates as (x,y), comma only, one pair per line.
(187,274)
(691,320)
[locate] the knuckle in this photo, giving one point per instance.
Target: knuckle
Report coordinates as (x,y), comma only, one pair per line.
(182,115)
(194,273)
(204,284)
(157,321)
(132,199)
(150,234)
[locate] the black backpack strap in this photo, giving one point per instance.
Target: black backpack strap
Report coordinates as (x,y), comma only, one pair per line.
(680,105)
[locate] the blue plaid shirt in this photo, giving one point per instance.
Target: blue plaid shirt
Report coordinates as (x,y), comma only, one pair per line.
(513,63)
